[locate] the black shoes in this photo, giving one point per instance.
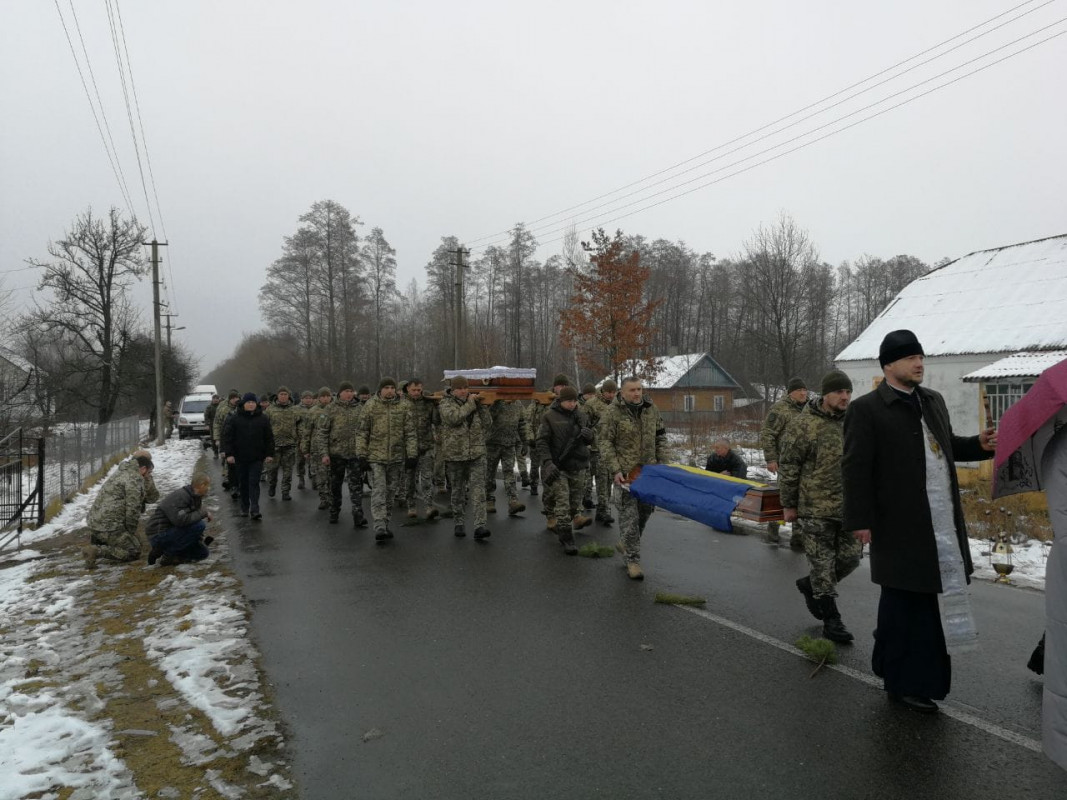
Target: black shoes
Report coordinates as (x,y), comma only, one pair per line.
(286,496)
(482,532)
(323,505)
(587,502)
(533,490)
(154,554)
(924,705)
(460,531)
(804,587)
(334,518)
(255,515)
(382,536)
(271,491)
(359,521)
(604,518)
(832,626)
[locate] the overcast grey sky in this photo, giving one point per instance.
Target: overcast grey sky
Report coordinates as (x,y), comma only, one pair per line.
(431,118)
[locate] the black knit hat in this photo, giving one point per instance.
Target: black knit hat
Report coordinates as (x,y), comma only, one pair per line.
(897,345)
(609,386)
(568,393)
(233,393)
(345,385)
(834,381)
(794,384)
(588,388)
(561,380)
(363,390)
(249,396)
(325,391)
(459,382)
(386,382)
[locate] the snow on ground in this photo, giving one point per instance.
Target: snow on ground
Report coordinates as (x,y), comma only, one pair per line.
(59,669)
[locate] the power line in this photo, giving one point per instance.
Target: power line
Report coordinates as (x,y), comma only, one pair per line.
(92,107)
(824,136)
(534,223)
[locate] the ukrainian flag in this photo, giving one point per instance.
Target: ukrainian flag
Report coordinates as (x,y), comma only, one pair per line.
(700,495)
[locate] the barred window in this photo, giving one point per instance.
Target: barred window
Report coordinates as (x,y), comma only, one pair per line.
(1002,396)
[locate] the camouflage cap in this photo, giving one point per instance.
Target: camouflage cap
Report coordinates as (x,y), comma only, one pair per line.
(561,380)
(588,388)
(343,385)
(325,391)
(233,393)
(459,382)
(363,390)
(609,386)
(306,393)
(284,389)
(386,382)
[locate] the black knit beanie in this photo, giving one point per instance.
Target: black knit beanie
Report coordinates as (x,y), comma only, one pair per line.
(835,380)
(897,345)
(794,384)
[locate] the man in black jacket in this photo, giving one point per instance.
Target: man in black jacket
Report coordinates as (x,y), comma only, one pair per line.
(176,527)
(248,442)
(725,461)
(562,452)
(902,496)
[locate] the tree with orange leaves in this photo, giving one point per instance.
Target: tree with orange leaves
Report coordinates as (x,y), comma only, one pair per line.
(608,323)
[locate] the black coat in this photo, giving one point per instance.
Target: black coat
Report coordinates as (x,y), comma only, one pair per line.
(559,428)
(884,479)
(731,463)
(247,436)
(180,508)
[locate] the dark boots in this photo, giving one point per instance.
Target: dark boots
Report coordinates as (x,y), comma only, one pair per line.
(566,538)
(804,587)
(832,626)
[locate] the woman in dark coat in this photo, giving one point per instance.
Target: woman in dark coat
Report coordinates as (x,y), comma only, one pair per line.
(901,494)
(248,442)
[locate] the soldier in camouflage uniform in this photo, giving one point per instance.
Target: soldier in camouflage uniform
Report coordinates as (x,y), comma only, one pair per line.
(809,480)
(283,422)
(387,441)
(507,429)
(778,418)
(335,438)
(419,481)
(229,471)
(464,423)
(563,454)
(548,498)
(533,415)
(631,434)
(113,518)
(596,408)
(318,472)
(307,402)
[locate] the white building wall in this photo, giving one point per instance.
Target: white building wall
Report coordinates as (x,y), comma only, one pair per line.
(943,374)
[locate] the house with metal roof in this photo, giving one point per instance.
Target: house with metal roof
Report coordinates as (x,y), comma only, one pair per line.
(989,323)
(690,386)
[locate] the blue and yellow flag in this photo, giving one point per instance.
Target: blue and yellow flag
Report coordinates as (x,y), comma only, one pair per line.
(700,495)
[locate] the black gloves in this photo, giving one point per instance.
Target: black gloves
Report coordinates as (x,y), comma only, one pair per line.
(549,473)
(587,435)
(364,465)
(411,462)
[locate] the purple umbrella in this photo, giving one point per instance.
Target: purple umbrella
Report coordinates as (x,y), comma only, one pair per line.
(1025,430)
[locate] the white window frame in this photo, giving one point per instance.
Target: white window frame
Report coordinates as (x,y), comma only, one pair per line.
(719,403)
(689,402)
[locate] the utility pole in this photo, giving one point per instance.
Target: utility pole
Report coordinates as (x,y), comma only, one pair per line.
(167,323)
(461,331)
(160,425)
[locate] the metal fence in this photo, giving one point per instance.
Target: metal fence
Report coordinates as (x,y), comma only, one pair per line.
(69,455)
(21,485)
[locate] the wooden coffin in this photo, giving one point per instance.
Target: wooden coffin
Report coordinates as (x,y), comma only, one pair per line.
(761,504)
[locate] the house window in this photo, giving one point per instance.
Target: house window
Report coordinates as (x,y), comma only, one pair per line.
(1002,396)
(719,402)
(689,402)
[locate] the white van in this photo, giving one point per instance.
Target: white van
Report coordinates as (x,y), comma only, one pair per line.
(191,413)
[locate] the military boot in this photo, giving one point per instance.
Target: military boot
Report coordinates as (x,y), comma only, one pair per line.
(432,513)
(515,507)
(300,483)
(533,490)
(460,531)
(490,505)
(566,538)
(482,532)
(603,517)
(832,626)
(550,523)
(581,521)
(804,587)
(412,513)
(335,517)
(271,491)
(634,571)
(524,479)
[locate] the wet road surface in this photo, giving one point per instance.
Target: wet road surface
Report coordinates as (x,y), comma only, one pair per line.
(439,667)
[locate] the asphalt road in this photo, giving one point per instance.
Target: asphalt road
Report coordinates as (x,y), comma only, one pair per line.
(436,667)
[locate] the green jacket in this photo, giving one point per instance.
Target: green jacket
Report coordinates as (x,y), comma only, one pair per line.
(463,428)
(225,409)
(283,421)
(594,410)
(534,413)
(336,432)
(631,437)
(386,433)
(809,472)
(309,424)
(120,501)
(508,425)
(422,415)
(781,414)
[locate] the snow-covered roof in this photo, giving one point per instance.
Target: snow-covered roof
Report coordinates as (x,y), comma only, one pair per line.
(671,369)
(1017,365)
(492,372)
(1004,300)
(16,360)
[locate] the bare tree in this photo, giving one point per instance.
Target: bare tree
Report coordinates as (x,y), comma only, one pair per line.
(380,259)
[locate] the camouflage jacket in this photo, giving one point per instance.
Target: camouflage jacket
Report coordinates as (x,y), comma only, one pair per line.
(463,428)
(534,414)
(508,426)
(631,438)
(220,419)
(386,432)
(594,410)
(335,432)
(422,415)
(809,472)
(283,422)
(119,504)
(301,412)
(309,424)
(781,414)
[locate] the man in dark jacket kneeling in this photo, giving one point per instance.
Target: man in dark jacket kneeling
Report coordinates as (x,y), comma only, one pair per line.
(176,528)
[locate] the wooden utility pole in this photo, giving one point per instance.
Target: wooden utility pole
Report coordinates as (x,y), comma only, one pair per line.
(167,323)
(160,425)
(460,324)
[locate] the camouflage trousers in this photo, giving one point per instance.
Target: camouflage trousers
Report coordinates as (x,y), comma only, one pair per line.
(319,474)
(438,465)
(339,467)
(598,471)
(464,475)
(832,554)
(567,492)
(303,463)
(504,456)
(284,458)
(418,481)
(387,480)
(535,468)
(633,516)
(120,545)
(521,453)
